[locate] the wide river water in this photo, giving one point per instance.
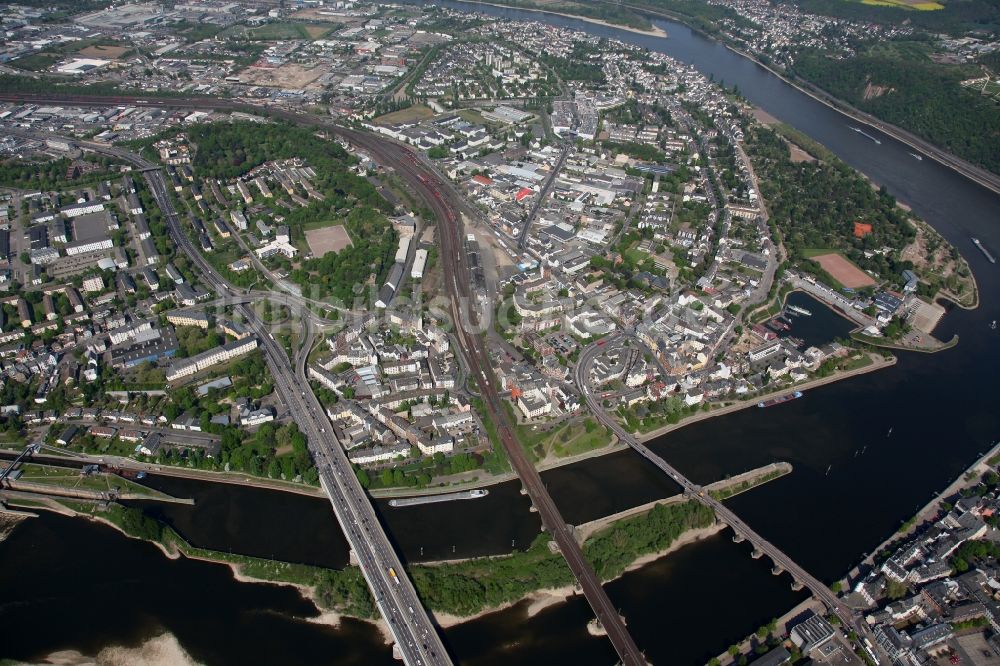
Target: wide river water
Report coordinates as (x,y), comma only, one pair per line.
(70,584)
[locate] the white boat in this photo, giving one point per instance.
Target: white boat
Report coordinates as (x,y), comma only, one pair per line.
(919,158)
(866,134)
(801,311)
(983,249)
(447,497)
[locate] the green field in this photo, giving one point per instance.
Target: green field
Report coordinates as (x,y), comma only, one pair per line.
(37,62)
(417,112)
(568,439)
(280,31)
(809,253)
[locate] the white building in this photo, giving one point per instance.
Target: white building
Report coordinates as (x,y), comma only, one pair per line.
(419,263)
(189,366)
(534,404)
(93,284)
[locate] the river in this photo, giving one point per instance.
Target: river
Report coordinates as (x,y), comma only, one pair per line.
(853,482)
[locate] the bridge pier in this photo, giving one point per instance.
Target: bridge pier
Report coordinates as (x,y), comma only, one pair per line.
(776,570)
(796,585)
(756,554)
(524,491)
(352,557)
(738,538)
(532,509)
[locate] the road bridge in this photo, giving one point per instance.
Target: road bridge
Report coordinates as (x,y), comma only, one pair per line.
(345,493)
(742,531)
(415,636)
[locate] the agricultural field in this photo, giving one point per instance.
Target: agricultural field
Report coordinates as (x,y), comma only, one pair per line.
(905,4)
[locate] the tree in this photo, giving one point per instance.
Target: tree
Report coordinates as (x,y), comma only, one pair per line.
(274,468)
(363,478)
(894,589)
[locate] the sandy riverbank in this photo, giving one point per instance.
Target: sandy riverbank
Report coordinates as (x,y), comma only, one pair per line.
(539,600)
(535,602)
(655,32)
(327,617)
(689,537)
(162,650)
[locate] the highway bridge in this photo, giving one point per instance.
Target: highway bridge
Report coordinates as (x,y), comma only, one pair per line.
(408,621)
(415,636)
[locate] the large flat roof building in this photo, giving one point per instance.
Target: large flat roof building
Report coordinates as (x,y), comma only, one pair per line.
(90,233)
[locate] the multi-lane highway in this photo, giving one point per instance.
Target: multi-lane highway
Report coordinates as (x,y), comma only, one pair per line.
(397,600)
(416,638)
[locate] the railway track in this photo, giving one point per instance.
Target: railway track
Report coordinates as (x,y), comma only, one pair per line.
(458,283)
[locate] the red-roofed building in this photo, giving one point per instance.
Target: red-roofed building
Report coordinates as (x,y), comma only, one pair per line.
(862,229)
(523,194)
(482,180)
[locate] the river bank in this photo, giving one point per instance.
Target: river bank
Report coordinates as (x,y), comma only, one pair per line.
(970,477)
(655,32)
(539,600)
(162,650)
(484,481)
(781,628)
(974,173)
(333,606)
(878,363)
